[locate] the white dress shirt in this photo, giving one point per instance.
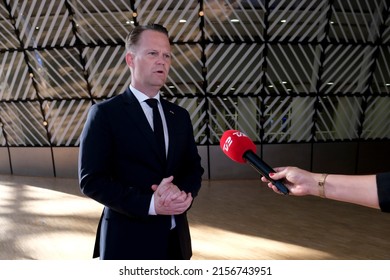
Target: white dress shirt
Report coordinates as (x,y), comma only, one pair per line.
(141,97)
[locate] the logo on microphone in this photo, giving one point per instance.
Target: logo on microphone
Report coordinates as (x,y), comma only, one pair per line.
(239,134)
(227,144)
(229,140)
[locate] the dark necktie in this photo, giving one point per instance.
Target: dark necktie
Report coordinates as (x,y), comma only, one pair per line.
(157,125)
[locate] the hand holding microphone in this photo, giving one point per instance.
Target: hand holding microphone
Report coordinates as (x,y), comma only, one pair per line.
(237,146)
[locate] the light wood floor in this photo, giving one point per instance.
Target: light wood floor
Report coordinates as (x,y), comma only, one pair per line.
(48,218)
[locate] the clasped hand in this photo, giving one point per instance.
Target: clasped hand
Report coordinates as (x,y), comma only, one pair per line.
(169,199)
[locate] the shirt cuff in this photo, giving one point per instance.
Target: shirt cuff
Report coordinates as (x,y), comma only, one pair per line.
(152,210)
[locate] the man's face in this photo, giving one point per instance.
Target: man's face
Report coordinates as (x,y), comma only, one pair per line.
(150,62)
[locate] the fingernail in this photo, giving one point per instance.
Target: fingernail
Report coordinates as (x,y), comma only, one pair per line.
(271,174)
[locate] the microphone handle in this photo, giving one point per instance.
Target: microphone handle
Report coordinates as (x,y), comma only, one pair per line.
(264,169)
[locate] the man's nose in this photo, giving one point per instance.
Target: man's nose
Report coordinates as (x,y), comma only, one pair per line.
(162,59)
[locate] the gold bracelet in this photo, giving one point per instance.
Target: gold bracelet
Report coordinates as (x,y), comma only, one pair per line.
(321,185)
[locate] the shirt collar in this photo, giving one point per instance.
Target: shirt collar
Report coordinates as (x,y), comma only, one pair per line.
(141,97)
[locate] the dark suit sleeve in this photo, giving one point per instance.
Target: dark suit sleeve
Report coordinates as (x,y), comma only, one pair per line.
(97,168)
(188,170)
(383,185)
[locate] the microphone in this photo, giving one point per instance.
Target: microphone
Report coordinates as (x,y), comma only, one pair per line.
(237,146)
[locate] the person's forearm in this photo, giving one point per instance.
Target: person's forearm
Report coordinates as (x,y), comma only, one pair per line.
(354,189)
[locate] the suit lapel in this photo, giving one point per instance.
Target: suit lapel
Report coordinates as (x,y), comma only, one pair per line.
(135,112)
(170,119)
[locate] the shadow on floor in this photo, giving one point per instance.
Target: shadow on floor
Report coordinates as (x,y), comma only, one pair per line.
(49,218)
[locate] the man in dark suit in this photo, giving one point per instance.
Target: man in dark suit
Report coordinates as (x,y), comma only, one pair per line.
(145,192)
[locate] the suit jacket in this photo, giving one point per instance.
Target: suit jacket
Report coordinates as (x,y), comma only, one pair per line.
(118,164)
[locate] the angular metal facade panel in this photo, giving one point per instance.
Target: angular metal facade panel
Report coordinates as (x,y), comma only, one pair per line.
(281,71)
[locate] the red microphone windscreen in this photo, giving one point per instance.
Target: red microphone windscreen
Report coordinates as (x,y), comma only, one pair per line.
(235,143)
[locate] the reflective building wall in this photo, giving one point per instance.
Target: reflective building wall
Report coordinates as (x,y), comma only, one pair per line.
(307,81)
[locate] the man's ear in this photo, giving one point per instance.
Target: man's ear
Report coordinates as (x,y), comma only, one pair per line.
(129,59)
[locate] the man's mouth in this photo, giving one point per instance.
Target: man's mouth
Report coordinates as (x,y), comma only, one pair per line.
(160,73)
